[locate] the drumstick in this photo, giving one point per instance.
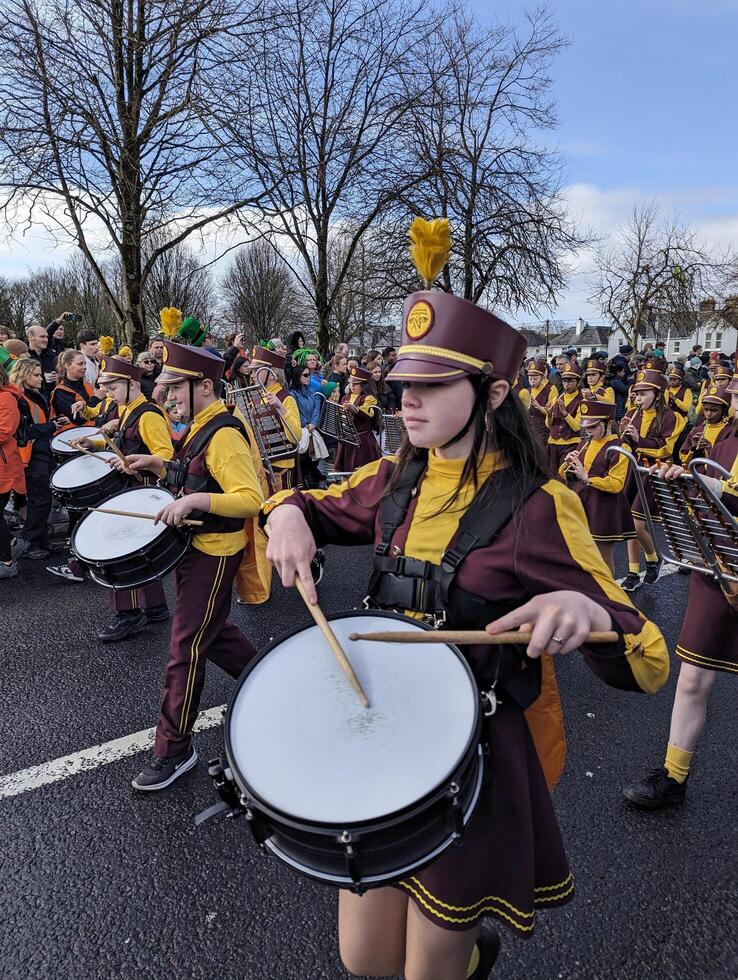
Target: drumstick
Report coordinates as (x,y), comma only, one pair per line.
(144,517)
(465,637)
(113,448)
(79,449)
(332,640)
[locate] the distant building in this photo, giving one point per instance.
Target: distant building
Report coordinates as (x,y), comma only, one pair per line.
(579,334)
(717,330)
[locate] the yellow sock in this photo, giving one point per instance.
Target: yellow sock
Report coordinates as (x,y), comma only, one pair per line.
(677,762)
(634,567)
(473,962)
(652,556)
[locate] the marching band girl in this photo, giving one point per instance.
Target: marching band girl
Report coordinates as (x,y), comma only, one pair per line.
(470,457)
(563,419)
(542,396)
(594,376)
(651,431)
(600,480)
(362,406)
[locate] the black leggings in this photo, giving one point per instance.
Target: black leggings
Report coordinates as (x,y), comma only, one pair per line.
(4,529)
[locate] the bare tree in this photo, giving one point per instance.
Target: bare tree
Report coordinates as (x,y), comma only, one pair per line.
(106,136)
(322,117)
(177,279)
(488,97)
(261,295)
(656,272)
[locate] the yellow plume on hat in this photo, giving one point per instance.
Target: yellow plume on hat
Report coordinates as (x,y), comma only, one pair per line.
(125,351)
(171,320)
(430,244)
(106,344)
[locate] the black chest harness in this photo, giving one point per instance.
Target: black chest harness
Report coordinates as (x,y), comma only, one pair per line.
(399,582)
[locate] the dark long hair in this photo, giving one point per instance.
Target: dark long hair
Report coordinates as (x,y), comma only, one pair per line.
(508,428)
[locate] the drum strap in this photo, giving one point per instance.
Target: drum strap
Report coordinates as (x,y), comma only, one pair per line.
(130,421)
(405,583)
(177,475)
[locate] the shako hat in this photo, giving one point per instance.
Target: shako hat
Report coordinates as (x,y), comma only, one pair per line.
(732,386)
(592,411)
(189,364)
(116,369)
(445,338)
(722,371)
(192,331)
(537,365)
(676,371)
(262,356)
(571,371)
(717,394)
(648,378)
(596,364)
(360,374)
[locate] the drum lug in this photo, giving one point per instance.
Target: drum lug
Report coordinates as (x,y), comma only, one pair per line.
(489,702)
(456,814)
(224,783)
(350,855)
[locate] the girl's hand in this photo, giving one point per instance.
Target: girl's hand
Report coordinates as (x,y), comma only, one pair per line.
(141,461)
(77,407)
(174,513)
(291,547)
(559,622)
(110,427)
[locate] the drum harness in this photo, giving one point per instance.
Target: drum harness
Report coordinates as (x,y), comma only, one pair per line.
(400,582)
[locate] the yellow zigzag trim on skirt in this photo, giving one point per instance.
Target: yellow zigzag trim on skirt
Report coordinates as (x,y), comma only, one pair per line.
(468,908)
(468,918)
(709,663)
(554,898)
(550,888)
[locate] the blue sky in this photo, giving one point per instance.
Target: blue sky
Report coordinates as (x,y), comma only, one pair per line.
(647,97)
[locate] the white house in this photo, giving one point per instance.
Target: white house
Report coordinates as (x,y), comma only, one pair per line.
(715,332)
(580,334)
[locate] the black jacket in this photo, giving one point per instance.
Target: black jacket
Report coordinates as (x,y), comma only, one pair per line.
(40,435)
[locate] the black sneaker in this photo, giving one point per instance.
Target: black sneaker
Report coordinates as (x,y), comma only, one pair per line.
(122,625)
(652,571)
(658,789)
(488,943)
(631,582)
(161,773)
(157,614)
(64,571)
(36,553)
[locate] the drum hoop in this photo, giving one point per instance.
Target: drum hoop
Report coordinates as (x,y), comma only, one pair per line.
(378,823)
(77,486)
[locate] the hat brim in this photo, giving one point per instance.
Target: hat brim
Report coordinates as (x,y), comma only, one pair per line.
(593,420)
(172,377)
(420,370)
(107,379)
(646,386)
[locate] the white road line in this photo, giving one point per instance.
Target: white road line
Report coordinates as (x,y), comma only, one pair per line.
(99,755)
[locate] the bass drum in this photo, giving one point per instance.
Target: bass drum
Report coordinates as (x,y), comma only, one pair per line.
(129,552)
(349,796)
(60,448)
(84,481)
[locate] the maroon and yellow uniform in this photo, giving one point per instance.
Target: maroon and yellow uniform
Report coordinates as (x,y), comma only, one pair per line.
(658,433)
(350,457)
(603,496)
(563,427)
(512,860)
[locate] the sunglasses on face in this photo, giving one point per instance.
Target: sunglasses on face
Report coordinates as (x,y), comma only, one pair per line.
(305,375)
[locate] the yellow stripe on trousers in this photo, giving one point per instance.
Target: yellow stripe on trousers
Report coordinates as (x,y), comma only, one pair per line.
(195,648)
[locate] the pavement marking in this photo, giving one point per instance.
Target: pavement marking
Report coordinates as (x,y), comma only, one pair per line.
(24,780)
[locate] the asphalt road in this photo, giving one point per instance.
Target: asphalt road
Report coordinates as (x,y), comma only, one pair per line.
(97,881)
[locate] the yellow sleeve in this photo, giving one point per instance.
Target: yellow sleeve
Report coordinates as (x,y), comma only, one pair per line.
(368,404)
(291,419)
(684,404)
(730,485)
(553,396)
(524,396)
(573,421)
(228,458)
(155,433)
(615,479)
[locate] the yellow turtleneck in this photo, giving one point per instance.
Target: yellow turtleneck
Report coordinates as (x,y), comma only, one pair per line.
(431,531)
(616,475)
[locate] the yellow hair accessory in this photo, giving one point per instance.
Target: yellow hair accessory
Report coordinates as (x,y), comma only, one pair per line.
(106,344)
(125,351)
(171,320)
(430,244)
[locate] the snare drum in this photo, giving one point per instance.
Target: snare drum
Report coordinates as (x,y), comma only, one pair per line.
(350,796)
(59,448)
(129,552)
(84,481)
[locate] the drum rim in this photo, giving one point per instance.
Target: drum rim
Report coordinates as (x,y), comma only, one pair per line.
(182,531)
(92,431)
(377,823)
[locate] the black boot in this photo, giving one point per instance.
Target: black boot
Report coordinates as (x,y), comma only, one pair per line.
(488,943)
(657,789)
(122,625)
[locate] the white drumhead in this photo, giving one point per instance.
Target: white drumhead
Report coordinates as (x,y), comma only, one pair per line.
(105,536)
(59,442)
(306,745)
(80,471)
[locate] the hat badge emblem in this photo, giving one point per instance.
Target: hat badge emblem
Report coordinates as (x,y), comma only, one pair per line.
(419,320)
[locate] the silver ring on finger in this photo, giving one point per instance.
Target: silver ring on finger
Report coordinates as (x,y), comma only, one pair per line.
(558,639)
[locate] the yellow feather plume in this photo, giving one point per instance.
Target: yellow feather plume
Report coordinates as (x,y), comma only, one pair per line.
(171,320)
(430,244)
(106,344)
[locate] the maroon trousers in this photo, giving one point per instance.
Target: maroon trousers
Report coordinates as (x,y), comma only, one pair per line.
(144,598)
(200,632)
